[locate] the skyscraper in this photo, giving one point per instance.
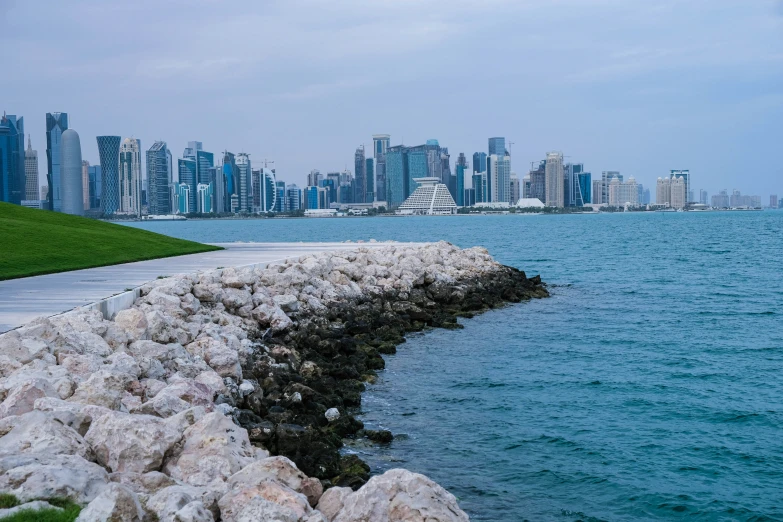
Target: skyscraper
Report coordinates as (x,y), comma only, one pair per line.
(314,178)
(72,193)
(381,143)
(396,175)
(94,181)
(595,197)
(663,192)
(31,172)
(266,190)
(231,182)
(606,178)
(498,178)
(538,182)
(56,124)
(245,182)
(497,146)
(186,169)
(515,190)
(159,178)
(86,184)
(360,180)
(678,192)
(686,177)
(554,180)
(583,188)
(370,180)
(480,176)
(626,193)
(109,154)
(130,176)
(461,170)
(204,161)
(12,159)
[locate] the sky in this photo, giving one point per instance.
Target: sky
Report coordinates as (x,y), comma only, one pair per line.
(639,86)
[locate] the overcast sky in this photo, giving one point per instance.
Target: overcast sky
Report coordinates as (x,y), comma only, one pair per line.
(639,86)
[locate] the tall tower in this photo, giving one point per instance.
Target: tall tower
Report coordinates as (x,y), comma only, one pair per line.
(462,169)
(31,172)
(109,154)
(72,193)
(380,144)
(245,182)
(56,124)
(554,180)
(130,176)
(12,184)
(497,146)
(159,179)
(360,180)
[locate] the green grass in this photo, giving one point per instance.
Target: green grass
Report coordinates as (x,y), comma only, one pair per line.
(35,242)
(68,514)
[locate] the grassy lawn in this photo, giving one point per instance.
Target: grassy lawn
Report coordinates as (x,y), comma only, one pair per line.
(34,242)
(69,513)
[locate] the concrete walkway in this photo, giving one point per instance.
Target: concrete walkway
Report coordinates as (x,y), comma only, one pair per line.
(22,300)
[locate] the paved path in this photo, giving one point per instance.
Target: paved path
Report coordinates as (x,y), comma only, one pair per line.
(22,300)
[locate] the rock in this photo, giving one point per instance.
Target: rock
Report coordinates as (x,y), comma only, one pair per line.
(133,322)
(143,484)
(35,505)
(22,398)
(167,502)
(287,302)
(271,316)
(194,512)
(213,381)
(75,415)
(399,495)
(32,476)
(22,349)
(103,388)
(125,442)
(252,503)
(332,501)
(214,448)
(178,397)
(224,361)
(282,470)
(40,432)
(115,503)
(332,414)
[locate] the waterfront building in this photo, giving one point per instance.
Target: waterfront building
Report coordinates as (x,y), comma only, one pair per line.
(663,192)
(204,162)
(538,182)
(130,176)
(159,179)
(738,200)
(370,170)
(86,184)
(204,197)
(623,193)
(331,189)
(72,193)
(686,177)
(583,188)
(12,159)
(311,198)
(595,197)
(554,180)
(183,197)
(606,178)
(94,187)
(703,198)
(461,172)
(109,154)
(186,169)
(230,183)
(245,182)
(646,199)
(31,172)
(499,178)
(56,124)
(396,175)
(516,193)
(678,192)
(773,201)
(314,178)
(525,187)
(293,198)
(469,197)
(360,169)
(381,143)
(497,146)
(431,197)
(721,199)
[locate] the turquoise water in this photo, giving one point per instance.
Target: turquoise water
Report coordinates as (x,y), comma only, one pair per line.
(649,387)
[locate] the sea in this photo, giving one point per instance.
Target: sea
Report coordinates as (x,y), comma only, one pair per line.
(648,387)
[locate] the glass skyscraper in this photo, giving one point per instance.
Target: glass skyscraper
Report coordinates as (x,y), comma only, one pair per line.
(396,175)
(381,143)
(159,178)
(56,124)
(371,196)
(462,168)
(187,176)
(497,146)
(12,159)
(204,161)
(94,181)
(109,154)
(245,182)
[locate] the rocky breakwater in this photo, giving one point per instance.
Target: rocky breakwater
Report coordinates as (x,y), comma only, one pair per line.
(226,395)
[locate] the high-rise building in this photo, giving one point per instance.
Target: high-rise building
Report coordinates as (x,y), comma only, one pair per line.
(370,194)
(686,177)
(516,192)
(183,198)
(86,184)
(583,189)
(186,169)
(538,182)
(678,192)
(12,159)
(94,187)
(381,143)
(773,201)
(721,199)
(663,192)
(293,197)
(470,197)
(56,124)
(703,197)
(595,197)
(281,202)
(204,197)
(130,176)
(31,172)
(498,178)
(525,188)
(360,170)
(461,171)
(245,182)
(479,178)
(314,178)
(310,196)
(396,175)
(554,180)
(625,193)
(204,161)
(267,194)
(159,178)
(109,154)
(72,193)
(231,183)
(574,189)
(497,146)
(606,178)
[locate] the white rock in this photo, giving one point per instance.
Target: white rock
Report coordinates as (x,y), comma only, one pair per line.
(125,442)
(178,397)
(287,302)
(224,361)
(246,388)
(75,415)
(22,349)
(41,432)
(115,503)
(103,388)
(279,469)
(266,501)
(214,448)
(399,495)
(35,505)
(32,476)
(133,322)
(22,398)
(332,414)
(167,502)
(331,502)
(194,512)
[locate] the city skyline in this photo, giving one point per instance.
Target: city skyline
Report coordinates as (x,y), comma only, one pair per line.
(639,104)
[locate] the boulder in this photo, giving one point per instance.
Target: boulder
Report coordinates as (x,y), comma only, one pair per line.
(331,502)
(286,302)
(40,432)
(267,500)
(194,512)
(32,476)
(104,388)
(126,442)
(35,505)
(399,495)
(21,399)
(224,361)
(133,322)
(115,503)
(22,349)
(282,470)
(178,397)
(213,448)
(169,501)
(271,316)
